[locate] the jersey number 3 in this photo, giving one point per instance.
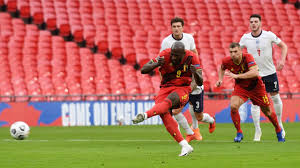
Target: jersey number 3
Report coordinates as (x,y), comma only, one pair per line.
(258,52)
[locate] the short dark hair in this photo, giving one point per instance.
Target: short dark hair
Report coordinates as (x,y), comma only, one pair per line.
(255,16)
(234,44)
(177,19)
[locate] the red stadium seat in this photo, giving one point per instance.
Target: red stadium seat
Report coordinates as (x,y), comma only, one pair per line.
(24,8)
(11,5)
(39,63)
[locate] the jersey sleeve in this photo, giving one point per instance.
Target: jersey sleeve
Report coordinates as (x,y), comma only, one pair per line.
(161,54)
(250,61)
(274,38)
(193,45)
(224,64)
(164,45)
(242,41)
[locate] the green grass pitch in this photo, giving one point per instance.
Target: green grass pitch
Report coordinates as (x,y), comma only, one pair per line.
(147,146)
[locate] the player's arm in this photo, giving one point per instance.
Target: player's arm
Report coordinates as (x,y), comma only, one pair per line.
(193,45)
(195,51)
(221,73)
(252,73)
(242,42)
(284,50)
(196,70)
(151,65)
(164,45)
(197,75)
(194,84)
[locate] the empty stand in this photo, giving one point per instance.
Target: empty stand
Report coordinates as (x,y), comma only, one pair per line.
(34,62)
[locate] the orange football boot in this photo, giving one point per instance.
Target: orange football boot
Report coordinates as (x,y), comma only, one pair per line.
(212,126)
(196,136)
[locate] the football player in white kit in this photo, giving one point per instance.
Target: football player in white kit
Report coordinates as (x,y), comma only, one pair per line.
(196,97)
(259,43)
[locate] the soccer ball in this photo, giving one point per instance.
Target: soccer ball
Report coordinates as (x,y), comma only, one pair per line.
(19,130)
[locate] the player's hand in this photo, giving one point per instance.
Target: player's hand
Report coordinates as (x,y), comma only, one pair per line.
(193,69)
(232,75)
(219,83)
(280,65)
(160,60)
(177,111)
(193,85)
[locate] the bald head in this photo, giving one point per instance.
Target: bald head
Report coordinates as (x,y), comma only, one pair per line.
(177,52)
(177,46)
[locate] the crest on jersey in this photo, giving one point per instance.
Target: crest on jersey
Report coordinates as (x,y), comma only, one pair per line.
(185,67)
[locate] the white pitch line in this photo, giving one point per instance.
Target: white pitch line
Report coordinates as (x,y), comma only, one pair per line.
(135,140)
(114,140)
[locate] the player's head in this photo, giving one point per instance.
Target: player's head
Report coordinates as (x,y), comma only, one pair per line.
(255,22)
(177,27)
(177,52)
(235,51)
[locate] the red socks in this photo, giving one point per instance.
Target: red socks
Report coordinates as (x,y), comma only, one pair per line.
(273,119)
(235,116)
(160,108)
(172,126)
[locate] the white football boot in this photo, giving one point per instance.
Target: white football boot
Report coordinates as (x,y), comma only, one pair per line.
(139,118)
(186,150)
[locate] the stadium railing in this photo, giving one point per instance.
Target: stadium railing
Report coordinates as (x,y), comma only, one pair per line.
(116,97)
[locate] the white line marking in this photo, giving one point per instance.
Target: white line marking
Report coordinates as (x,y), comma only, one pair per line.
(136,140)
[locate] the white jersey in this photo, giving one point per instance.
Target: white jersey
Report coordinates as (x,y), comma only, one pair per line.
(261,49)
(189,44)
(187,40)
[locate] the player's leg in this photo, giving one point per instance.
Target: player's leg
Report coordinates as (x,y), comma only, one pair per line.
(197,102)
(273,118)
(255,112)
(172,127)
(158,109)
(166,99)
(259,97)
(235,103)
(197,135)
(205,117)
(179,97)
(194,119)
(182,121)
(277,103)
(272,87)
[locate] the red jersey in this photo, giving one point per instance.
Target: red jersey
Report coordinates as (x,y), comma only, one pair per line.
(179,75)
(243,67)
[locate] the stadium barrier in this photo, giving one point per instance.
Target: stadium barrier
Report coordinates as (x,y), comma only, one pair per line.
(116,97)
(102,113)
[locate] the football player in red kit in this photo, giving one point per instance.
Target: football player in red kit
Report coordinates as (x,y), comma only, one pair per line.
(176,66)
(248,85)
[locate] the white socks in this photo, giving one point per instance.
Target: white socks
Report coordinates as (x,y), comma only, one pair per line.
(180,118)
(194,119)
(207,118)
(183,143)
(255,112)
(278,108)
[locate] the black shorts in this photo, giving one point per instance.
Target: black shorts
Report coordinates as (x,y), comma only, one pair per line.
(197,101)
(271,83)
